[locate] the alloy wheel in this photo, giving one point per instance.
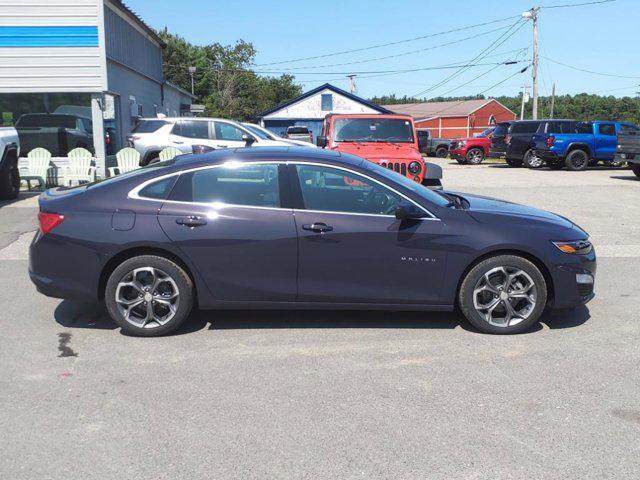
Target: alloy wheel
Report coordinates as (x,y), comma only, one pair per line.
(505,296)
(147,297)
(475,157)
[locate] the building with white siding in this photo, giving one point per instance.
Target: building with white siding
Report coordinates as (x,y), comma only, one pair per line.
(94,61)
(310,109)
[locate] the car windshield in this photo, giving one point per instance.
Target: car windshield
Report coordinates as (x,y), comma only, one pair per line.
(298,130)
(485,133)
(47,120)
(424,192)
(373,130)
(629,129)
(257,131)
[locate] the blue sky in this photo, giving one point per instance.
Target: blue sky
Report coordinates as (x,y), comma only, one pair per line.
(604,38)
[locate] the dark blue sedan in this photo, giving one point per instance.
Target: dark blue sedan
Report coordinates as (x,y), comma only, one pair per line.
(298,228)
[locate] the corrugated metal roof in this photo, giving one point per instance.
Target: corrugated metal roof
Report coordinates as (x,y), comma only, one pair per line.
(438,109)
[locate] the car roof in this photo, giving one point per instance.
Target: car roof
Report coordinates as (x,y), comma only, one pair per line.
(177,119)
(266,153)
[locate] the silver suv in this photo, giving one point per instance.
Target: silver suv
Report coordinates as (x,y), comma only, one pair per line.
(192,135)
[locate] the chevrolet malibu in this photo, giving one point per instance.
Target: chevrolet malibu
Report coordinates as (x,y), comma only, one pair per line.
(297,228)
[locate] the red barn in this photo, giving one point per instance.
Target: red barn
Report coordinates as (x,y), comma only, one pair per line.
(455,119)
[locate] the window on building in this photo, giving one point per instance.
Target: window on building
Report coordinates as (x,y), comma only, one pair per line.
(327,102)
(247,185)
(336,190)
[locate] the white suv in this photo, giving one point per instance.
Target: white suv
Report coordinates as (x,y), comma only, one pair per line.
(192,135)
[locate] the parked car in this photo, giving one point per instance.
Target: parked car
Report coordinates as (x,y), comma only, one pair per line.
(471,150)
(269,135)
(386,139)
(432,147)
(628,147)
(302,134)
(192,135)
(498,146)
(519,148)
(59,133)
(301,228)
(578,147)
(9,173)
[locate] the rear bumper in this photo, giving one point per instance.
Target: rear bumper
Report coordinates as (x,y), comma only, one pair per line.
(546,155)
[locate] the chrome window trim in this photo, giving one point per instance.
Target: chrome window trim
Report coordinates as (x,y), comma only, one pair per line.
(134,192)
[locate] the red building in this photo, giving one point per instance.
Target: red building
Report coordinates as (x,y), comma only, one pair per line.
(455,119)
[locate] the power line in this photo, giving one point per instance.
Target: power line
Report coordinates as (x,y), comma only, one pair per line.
(566,5)
(381,45)
(590,71)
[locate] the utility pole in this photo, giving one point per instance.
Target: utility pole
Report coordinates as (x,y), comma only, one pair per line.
(525,99)
(553,99)
(192,70)
(533,15)
(352,83)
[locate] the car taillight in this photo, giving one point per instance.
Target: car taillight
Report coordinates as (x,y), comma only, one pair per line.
(550,141)
(507,139)
(107,138)
(49,221)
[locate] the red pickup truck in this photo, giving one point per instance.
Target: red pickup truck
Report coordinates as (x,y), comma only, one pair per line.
(386,139)
(472,150)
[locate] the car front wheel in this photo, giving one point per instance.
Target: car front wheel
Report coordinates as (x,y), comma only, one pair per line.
(635,168)
(475,156)
(149,295)
(503,294)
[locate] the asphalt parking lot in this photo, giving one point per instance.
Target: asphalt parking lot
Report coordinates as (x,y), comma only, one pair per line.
(258,395)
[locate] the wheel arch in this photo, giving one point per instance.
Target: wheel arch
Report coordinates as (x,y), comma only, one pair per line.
(546,273)
(578,146)
(128,253)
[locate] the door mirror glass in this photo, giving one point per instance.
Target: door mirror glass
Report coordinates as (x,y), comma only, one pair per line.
(407,210)
(321,141)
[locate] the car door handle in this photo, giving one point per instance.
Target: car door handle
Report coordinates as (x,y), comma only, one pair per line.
(318,227)
(191,221)
(178,142)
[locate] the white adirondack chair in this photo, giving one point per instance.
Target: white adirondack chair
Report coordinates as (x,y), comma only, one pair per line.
(168,153)
(79,168)
(127,159)
(38,165)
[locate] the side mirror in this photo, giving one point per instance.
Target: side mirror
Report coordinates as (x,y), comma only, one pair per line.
(407,211)
(248,140)
(321,141)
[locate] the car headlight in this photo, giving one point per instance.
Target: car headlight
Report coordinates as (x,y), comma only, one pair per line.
(577,247)
(415,168)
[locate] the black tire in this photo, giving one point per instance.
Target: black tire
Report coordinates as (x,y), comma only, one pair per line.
(475,156)
(180,279)
(555,164)
(532,309)
(442,152)
(514,163)
(10,182)
(577,160)
(461,160)
(635,168)
(529,160)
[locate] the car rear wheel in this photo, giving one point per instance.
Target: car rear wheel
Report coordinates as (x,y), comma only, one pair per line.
(530,160)
(514,163)
(503,294)
(635,168)
(577,160)
(149,295)
(10,182)
(475,156)
(442,152)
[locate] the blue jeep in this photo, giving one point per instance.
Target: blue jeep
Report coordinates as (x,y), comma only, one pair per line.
(586,143)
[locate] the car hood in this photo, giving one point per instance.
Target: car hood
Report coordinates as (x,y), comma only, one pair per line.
(485,208)
(375,151)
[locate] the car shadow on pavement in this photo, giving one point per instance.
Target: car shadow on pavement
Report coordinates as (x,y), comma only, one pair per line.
(22,196)
(631,176)
(72,314)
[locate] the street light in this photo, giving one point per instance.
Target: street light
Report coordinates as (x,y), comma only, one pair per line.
(192,70)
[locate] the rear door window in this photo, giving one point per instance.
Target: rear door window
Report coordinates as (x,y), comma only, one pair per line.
(192,129)
(607,129)
(561,127)
(525,127)
(148,126)
(251,185)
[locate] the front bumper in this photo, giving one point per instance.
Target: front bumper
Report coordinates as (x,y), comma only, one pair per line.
(573,280)
(458,153)
(627,157)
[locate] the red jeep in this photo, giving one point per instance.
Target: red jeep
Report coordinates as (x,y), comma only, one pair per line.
(388,140)
(471,150)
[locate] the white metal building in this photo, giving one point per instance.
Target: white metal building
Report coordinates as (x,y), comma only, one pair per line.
(91,59)
(310,108)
